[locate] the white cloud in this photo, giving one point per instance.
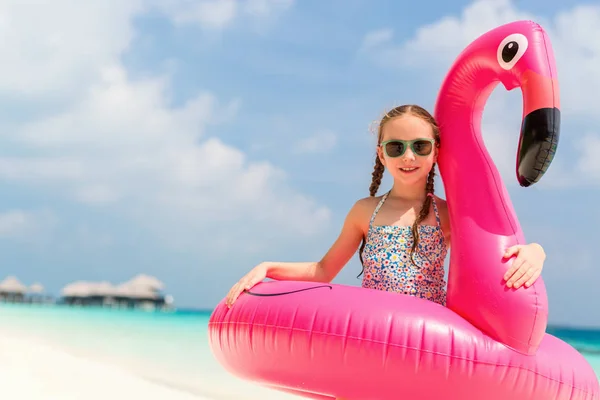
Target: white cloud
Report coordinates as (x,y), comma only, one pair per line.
(443,40)
(321,142)
(13,222)
(266,8)
(214,14)
(22,224)
(40,169)
(121,142)
(55,47)
(572,32)
(96,194)
(374,39)
(220,14)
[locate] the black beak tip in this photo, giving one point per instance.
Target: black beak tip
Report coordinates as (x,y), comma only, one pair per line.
(539,139)
(524,181)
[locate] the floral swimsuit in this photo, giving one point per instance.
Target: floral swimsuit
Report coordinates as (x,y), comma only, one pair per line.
(387,264)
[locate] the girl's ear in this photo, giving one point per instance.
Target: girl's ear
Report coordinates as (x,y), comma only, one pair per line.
(380,155)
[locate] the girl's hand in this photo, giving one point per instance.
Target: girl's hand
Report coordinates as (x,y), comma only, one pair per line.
(256,275)
(527,267)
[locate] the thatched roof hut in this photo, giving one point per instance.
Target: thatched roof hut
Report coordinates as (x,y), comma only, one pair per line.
(36,288)
(12,290)
(11,285)
(141,288)
(146,281)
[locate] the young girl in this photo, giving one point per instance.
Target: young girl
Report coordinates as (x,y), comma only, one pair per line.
(403,235)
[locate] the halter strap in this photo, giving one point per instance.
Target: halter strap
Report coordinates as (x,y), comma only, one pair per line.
(385,196)
(377,209)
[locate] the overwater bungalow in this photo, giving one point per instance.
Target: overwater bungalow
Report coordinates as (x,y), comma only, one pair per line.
(36,294)
(12,291)
(142,291)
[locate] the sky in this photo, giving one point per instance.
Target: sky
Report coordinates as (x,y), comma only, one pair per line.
(191,140)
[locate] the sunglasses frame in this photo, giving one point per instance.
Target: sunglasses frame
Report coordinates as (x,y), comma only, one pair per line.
(407,144)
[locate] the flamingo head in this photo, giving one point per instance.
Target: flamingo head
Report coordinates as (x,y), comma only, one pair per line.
(520,55)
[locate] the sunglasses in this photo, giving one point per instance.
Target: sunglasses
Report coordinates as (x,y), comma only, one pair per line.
(397,148)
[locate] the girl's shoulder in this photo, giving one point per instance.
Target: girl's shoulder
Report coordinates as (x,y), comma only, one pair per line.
(369,202)
(366,206)
(363,210)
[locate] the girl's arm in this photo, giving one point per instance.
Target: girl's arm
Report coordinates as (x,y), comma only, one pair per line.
(322,271)
(334,260)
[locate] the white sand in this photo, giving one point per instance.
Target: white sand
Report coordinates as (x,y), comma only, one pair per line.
(32,370)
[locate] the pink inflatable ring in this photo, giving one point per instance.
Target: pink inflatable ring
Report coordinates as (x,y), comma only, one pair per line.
(325,341)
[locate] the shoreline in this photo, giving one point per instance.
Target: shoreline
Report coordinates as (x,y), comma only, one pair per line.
(191,311)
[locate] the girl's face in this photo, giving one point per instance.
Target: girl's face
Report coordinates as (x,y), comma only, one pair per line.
(408,149)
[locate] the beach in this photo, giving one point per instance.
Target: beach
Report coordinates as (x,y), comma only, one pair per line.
(73,353)
(34,370)
(68,353)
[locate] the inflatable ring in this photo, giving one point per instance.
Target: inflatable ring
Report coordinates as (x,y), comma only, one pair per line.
(324,341)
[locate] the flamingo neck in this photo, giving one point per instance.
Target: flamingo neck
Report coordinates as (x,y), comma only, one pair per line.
(473,186)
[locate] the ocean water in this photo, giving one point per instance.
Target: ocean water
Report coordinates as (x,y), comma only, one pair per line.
(172,348)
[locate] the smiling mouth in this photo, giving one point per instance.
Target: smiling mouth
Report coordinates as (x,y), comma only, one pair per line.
(408,170)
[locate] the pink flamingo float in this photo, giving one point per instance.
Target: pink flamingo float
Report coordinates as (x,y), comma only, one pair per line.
(324,341)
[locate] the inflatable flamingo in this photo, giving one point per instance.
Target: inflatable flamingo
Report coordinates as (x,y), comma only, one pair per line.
(324,341)
(483,221)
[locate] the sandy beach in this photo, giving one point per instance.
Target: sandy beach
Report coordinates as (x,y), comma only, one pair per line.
(33,370)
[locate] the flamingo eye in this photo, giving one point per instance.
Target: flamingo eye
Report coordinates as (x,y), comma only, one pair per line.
(511,49)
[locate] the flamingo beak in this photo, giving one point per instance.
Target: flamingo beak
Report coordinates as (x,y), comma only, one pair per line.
(540,129)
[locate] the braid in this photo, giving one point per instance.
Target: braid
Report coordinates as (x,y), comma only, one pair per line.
(377,175)
(375,182)
(424,211)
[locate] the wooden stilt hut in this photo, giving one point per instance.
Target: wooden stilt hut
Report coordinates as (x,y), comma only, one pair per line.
(12,290)
(142,291)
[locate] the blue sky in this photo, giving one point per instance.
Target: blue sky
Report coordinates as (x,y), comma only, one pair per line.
(192,140)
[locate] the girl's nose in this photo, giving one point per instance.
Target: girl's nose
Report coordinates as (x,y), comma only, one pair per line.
(409,155)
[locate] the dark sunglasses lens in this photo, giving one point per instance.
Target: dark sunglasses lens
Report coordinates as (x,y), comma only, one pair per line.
(422,147)
(394,149)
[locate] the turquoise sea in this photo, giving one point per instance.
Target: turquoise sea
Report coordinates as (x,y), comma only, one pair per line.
(171,348)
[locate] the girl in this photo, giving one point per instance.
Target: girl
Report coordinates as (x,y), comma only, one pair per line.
(403,235)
